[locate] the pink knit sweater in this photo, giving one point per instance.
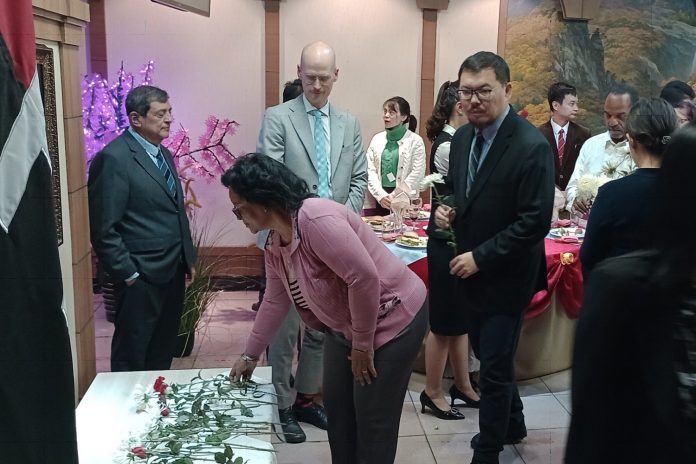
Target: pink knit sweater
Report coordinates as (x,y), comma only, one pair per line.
(352,283)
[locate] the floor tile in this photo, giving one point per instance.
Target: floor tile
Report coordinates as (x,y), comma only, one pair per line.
(456,449)
(209,361)
(414,450)
(564,399)
(183,363)
(410,424)
(545,446)
(544,412)
(434,426)
(532,387)
(558,382)
(303,453)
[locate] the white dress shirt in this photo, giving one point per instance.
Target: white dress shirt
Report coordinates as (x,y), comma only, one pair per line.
(557,128)
(443,151)
(600,156)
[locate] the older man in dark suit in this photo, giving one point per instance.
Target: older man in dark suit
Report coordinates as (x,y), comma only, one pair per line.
(141,234)
(502,175)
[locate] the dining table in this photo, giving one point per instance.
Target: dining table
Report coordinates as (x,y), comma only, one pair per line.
(548,329)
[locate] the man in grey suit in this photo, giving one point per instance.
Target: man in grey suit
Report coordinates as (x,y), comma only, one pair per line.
(321,144)
(140,233)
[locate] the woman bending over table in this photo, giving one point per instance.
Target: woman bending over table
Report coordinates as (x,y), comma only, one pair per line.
(343,280)
(448,331)
(396,156)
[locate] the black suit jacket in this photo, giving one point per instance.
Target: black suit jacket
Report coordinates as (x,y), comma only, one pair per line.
(505,217)
(136,223)
(576,136)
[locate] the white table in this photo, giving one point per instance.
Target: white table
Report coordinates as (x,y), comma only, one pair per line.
(106,415)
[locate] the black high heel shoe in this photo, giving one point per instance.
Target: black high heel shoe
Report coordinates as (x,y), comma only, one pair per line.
(452,414)
(455,394)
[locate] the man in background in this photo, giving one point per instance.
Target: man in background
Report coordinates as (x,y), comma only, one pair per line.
(564,136)
(606,154)
(321,144)
(140,233)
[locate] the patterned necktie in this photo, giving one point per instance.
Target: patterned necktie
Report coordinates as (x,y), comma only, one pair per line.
(474,160)
(168,177)
(561,146)
(322,157)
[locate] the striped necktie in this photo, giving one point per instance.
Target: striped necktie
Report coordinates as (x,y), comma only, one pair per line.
(322,156)
(474,160)
(561,146)
(168,177)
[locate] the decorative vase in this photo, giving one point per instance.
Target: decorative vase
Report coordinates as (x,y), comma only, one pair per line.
(184,345)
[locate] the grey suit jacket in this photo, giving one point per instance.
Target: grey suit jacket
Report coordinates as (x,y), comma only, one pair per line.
(286,136)
(136,224)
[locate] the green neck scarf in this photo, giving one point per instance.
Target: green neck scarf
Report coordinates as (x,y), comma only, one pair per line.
(390,155)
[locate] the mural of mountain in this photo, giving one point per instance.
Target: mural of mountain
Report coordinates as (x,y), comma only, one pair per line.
(641,42)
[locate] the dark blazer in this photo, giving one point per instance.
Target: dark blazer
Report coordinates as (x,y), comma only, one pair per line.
(576,136)
(619,220)
(136,224)
(506,216)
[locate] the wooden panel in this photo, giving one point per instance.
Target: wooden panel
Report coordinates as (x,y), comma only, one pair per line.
(71,78)
(427,90)
(86,357)
(272,52)
(97,37)
(433,4)
(82,289)
(79,9)
(502,27)
(75,153)
(237,261)
(79,224)
(47,29)
(54,6)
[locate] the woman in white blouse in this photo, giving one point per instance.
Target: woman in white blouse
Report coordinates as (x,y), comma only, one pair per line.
(395,157)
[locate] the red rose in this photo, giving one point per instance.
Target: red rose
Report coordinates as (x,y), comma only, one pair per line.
(139,452)
(165,412)
(160,387)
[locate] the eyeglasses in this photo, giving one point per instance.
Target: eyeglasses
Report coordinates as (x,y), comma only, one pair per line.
(481,94)
(309,80)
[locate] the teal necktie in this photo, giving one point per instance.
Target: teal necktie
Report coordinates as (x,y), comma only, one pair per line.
(168,177)
(320,147)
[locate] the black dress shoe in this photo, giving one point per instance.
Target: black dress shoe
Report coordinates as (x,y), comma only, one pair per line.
(457,394)
(451,414)
(291,429)
(314,414)
(512,438)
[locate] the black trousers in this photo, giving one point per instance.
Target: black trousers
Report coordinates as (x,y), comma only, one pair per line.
(364,420)
(494,340)
(147,324)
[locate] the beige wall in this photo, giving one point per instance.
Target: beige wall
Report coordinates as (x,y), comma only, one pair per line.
(216,65)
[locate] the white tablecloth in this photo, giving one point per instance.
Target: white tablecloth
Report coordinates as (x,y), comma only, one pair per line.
(106,415)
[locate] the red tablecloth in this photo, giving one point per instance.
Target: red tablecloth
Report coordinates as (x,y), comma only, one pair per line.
(563,272)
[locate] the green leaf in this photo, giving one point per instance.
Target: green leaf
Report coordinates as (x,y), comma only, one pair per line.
(239,460)
(220,458)
(184,460)
(228,452)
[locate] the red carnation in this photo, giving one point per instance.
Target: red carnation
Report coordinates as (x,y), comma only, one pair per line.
(139,452)
(160,387)
(164,412)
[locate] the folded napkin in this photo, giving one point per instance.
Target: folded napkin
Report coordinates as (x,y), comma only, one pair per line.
(567,239)
(390,236)
(562,223)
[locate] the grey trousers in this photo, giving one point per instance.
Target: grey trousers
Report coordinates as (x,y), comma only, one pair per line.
(364,420)
(309,365)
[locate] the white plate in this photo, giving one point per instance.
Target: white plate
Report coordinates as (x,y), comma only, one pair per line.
(424,215)
(567,232)
(423,245)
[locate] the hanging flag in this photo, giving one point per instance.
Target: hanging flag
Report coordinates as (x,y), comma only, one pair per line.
(37,399)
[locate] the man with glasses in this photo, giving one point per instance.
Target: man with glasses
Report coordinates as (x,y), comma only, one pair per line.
(501,171)
(141,234)
(322,145)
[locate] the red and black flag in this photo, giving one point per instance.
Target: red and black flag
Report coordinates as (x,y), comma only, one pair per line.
(37,399)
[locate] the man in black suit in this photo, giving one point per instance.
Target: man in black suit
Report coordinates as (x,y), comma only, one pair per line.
(140,233)
(563,134)
(501,171)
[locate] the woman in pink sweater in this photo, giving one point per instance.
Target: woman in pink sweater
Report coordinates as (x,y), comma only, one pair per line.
(323,258)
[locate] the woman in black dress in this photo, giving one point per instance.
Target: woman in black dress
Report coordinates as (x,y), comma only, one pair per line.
(447,319)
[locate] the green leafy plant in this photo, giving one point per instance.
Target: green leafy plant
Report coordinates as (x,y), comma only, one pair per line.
(194,422)
(430,181)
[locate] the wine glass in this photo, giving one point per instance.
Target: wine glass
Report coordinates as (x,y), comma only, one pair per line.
(415,208)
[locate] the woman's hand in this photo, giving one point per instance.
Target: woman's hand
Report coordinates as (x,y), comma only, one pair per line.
(242,369)
(363,366)
(385,202)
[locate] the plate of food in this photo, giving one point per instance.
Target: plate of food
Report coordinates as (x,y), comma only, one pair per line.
(423,215)
(379,224)
(573,232)
(412,240)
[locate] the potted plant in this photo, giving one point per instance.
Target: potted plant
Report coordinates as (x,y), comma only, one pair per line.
(200,290)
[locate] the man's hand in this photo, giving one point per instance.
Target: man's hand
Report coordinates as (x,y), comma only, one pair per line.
(190,276)
(444,215)
(464,265)
(385,202)
(363,366)
(582,205)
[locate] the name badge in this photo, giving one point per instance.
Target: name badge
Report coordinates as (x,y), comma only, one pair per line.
(390,177)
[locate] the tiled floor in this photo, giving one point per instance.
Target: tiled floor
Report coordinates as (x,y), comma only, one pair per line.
(423,438)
